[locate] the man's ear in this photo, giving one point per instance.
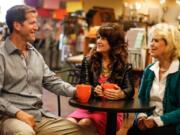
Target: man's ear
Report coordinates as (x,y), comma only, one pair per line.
(17,26)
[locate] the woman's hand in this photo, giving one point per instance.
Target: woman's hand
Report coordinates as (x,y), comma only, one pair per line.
(98,90)
(114,94)
(141,124)
(150,123)
(144,123)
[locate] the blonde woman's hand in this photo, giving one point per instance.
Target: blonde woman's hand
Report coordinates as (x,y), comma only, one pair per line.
(114,94)
(144,123)
(150,123)
(141,124)
(98,90)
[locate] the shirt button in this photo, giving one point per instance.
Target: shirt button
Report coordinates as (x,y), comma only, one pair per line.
(30,92)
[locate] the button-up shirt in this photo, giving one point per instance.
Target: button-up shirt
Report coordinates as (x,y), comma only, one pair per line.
(22,81)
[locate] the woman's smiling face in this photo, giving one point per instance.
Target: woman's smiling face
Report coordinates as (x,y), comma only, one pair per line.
(158,47)
(102,45)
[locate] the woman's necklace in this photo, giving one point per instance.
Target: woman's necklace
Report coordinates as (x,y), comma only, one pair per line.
(105,71)
(163,70)
(164,67)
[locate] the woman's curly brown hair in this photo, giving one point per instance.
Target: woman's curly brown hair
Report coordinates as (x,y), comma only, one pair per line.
(118,50)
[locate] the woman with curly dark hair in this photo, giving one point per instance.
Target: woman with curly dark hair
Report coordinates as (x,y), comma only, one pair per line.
(107,63)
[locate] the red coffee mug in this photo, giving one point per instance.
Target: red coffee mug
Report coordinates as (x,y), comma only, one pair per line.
(83,92)
(106,86)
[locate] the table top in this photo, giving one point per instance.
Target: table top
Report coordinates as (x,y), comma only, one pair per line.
(134,105)
(75,59)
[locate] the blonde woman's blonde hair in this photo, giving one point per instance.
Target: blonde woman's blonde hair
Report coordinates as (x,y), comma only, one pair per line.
(170,34)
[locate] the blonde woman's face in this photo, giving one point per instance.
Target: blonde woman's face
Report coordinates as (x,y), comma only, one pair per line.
(158,47)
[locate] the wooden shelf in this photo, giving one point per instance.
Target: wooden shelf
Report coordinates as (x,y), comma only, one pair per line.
(86,47)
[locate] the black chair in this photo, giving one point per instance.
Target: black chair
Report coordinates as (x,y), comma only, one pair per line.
(71,75)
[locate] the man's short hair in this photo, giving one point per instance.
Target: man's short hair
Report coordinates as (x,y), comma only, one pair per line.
(17,14)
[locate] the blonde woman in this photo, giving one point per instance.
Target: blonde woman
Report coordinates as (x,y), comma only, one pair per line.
(161,85)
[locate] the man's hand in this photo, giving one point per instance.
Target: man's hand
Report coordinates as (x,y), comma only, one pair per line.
(27,118)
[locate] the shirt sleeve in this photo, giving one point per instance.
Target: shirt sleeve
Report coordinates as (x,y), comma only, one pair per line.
(56,84)
(5,106)
(141,115)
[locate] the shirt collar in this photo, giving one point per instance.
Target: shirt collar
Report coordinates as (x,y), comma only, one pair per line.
(10,46)
(174,67)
